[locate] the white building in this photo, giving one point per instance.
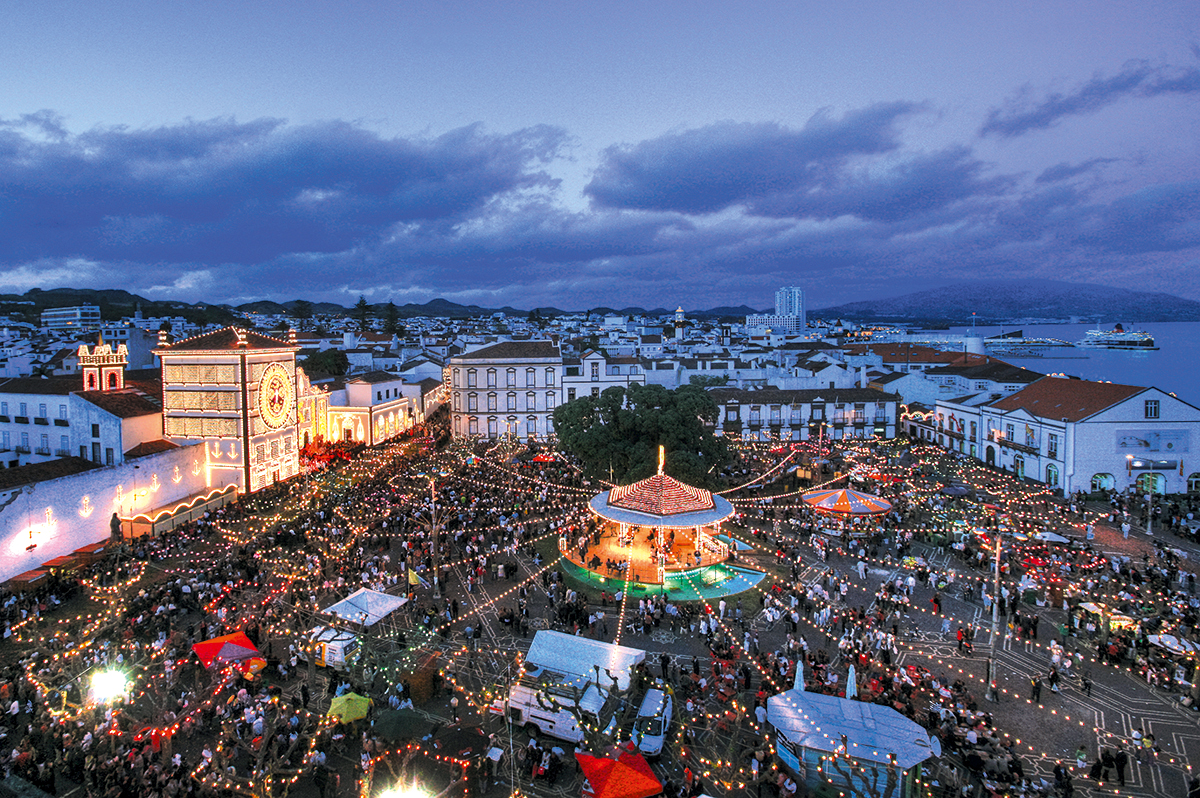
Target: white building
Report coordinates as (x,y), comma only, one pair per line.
(789,301)
(510,387)
(80,317)
(1080,435)
(836,413)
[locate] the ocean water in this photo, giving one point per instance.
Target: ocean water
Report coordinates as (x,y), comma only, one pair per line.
(1174,368)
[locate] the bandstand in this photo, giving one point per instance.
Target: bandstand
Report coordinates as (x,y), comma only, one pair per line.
(652,530)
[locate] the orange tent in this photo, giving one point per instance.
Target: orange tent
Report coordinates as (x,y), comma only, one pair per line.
(628,776)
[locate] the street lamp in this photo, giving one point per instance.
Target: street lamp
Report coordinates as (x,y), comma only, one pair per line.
(109,685)
(992,693)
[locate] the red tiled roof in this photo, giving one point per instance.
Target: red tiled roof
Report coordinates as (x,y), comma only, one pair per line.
(122,404)
(917,353)
(1074,400)
(226,340)
(150,447)
(660,495)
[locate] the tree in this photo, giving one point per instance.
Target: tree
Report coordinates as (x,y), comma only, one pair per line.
(617,434)
(362,312)
(327,361)
(302,311)
(708,380)
(391,319)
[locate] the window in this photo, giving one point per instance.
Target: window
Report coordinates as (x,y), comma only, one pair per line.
(550,399)
(755,414)
(1009,431)
(5,441)
(44,447)
(511,404)
(510,378)
(378,395)
(731,414)
(25,441)
(570,394)
(24,409)
(549,377)
(95,453)
(62,411)
(108,456)
(492,428)
(491,378)
(1151,408)
(1030,436)
(472,402)
(64,443)
(491,401)
(595,372)
(41,411)
(531,401)
(530,378)
(471,377)
(95,430)
(3,408)
(531,426)
(980,385)
(972,430)
(472,426)
(454,382)
(1052,446)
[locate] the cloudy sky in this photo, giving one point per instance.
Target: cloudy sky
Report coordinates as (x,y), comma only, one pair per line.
(552,153)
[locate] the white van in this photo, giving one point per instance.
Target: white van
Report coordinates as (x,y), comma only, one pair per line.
(653,722)
(560,667)
(334,648)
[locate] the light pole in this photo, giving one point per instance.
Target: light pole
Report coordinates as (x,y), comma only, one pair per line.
(992,693)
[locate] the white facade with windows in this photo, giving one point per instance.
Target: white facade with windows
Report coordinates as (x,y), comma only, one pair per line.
(506,388)
(1080,435)
(835,414)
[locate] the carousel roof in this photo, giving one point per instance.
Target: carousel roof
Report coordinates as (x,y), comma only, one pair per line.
(660,495)
(846,502)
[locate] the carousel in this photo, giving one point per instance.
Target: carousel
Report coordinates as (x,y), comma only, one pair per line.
(651,529)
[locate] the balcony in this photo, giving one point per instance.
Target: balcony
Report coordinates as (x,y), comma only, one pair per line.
(44,452)
(21,419)
(23,450)
(45,422)
(61,422)
(62,453)
(955,434)
(5,419)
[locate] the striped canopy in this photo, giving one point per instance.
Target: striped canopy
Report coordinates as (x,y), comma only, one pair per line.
(846,502)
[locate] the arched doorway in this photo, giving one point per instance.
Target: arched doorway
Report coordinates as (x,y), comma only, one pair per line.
(989,455)
(1151,482)
(1052,475)
(1103,482)
(1019,467)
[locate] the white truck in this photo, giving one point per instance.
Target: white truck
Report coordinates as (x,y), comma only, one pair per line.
(567,679)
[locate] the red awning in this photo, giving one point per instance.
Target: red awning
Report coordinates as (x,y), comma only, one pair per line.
(226,648)
(628,776)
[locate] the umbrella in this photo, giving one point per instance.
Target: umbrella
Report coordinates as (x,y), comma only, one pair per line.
(846,502)
(461,744)
(226,648)
(628,776)
(401,724)
(955,490)
(349,707)
(851,682)
(1052,537)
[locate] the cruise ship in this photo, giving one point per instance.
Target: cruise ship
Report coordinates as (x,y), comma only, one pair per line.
(1118,338)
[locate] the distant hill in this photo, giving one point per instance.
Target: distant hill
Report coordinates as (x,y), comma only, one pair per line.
(1000,300)
(114,303)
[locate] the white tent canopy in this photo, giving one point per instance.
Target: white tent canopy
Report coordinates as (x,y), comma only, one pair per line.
(577,656)
(366,607)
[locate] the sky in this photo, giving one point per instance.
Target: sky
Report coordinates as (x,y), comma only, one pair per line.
(532,153)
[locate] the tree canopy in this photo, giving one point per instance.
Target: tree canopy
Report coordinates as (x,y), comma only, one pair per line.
(327,361)
(620,430)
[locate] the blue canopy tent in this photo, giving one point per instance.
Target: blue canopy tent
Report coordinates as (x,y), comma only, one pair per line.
(818,735)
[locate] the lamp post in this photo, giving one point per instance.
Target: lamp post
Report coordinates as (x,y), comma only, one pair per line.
(992,692)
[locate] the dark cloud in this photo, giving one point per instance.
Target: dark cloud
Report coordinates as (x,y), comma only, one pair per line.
(714,167)
(1065,171)
(222,191)
(1137,78)
(1162,218)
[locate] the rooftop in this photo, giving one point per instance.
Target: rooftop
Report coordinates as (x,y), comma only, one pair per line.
(513,350)
(1073,400)
(660,495)
(122,404)
(228,339)
(40,472)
